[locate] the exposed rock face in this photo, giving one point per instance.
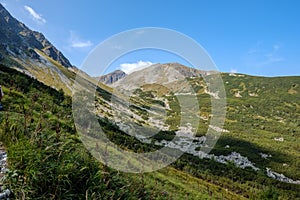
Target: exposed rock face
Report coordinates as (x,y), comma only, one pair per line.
(16,38)
(112,77)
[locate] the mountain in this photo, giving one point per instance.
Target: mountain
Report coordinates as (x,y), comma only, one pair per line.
(17,38)
(261,131)
(256,156)
(112,77)
(259,135)
(169,74)
(31,53)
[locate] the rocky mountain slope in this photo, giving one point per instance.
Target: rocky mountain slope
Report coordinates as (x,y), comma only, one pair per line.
(164,74)
(257,155)
(17,39)
(30,52)
(262,115)
(112,77)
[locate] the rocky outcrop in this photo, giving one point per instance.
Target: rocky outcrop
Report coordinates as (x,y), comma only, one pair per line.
(112,77)
(281,177)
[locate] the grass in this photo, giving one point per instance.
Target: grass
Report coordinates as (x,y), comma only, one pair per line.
(48,161)
(45,150)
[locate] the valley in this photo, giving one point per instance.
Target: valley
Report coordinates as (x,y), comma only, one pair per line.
(238,139)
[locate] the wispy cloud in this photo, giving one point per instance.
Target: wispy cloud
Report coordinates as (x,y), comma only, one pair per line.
(131,67)
(35,16)
(76,42)
(256,48)
(272,56)
(259,55)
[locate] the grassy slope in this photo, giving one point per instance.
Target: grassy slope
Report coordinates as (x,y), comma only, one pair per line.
(266,108)
(165,184)
(273,112)
(47,160)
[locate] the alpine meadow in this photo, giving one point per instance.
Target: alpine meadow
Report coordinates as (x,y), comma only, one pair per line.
(139,109)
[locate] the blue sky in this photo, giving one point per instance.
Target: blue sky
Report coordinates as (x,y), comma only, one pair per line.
(253,37)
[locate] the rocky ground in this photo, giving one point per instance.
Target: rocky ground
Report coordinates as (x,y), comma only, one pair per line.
(3,166)
(4,194)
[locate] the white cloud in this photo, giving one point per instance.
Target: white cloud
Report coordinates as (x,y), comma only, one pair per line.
(35,16)
(81,44)
(131,67)
(233,71)
(76,42)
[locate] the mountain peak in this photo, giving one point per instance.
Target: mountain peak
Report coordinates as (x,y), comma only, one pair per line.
(16,38)
(112,77)
(162,74)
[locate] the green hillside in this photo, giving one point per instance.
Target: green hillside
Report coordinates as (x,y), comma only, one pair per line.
(266,109)
(45,157)
(48,161)
(256,157)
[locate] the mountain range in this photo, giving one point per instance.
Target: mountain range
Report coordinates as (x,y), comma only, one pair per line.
(256,157)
